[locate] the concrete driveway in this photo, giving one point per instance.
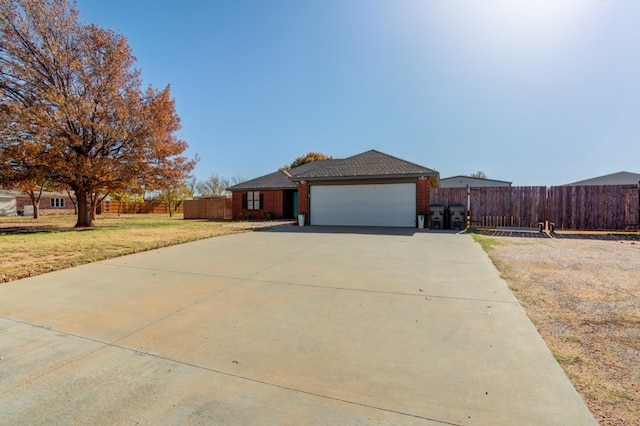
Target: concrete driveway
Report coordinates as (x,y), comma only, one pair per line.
(298,326)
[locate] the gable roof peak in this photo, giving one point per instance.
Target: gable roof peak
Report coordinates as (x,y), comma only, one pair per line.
(367,164)
(371,164)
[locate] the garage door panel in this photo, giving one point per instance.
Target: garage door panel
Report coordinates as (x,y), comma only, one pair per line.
(364,205)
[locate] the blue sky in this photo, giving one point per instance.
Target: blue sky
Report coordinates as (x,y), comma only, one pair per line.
(537,92)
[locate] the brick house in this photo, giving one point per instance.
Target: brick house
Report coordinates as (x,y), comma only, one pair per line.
(368,189)
(50,202)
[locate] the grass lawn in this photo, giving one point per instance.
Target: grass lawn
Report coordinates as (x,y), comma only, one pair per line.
(34,246)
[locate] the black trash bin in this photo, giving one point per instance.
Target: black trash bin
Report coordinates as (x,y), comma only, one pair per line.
(456,217)
(436,216)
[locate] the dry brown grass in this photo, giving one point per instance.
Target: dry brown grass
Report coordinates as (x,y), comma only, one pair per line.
(33,246)
(584,298)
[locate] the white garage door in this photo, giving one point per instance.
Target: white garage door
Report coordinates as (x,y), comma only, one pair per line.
(364,205)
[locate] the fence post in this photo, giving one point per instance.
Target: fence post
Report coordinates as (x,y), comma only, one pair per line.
(468,207)
(547,219)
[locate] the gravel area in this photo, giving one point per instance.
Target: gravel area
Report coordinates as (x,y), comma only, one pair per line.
(584,297)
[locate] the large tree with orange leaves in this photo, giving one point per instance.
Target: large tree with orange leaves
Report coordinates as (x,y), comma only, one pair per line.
(72,109)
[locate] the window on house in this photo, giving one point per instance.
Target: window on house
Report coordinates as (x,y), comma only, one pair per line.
(252,200)
(57,202)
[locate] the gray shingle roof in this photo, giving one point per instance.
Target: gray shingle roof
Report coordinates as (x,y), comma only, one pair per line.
(370,164)
(277,180)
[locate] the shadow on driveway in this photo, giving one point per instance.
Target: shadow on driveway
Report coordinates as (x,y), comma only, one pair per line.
(355,230)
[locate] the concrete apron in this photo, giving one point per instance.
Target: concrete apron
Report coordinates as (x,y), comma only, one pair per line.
(311,326)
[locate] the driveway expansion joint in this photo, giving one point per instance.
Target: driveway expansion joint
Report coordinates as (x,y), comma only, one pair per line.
(383,292)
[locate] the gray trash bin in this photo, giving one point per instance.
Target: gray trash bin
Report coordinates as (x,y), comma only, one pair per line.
(436,216)
(456,217)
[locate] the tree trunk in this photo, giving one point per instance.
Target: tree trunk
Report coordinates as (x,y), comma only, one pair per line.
(84,209)
(35,201)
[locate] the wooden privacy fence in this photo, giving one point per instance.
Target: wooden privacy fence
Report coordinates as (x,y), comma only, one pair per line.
(208,208)
(448,196)
(605,207)
(517,206)
(156,207)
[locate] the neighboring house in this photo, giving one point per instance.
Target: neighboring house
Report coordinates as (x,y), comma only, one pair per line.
(50,202)
(8,203)
(472,182)
(368,189)
(619,178)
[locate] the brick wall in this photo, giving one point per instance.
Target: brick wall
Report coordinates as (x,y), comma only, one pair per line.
(422,196)
(236,204)
(303,201)
(272,202)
